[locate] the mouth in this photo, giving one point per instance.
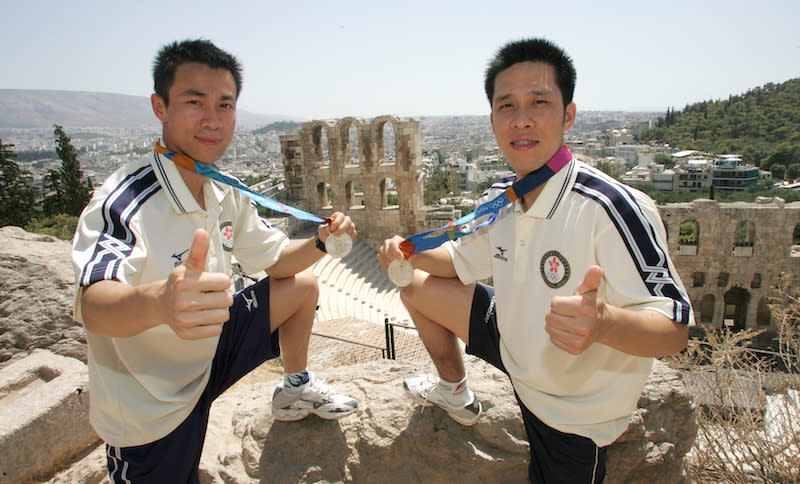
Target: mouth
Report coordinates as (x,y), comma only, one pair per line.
(207,141)
(524,144)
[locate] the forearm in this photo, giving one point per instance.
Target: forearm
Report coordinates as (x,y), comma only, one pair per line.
(115,309)
(436,262)
(643,333)
(294,259)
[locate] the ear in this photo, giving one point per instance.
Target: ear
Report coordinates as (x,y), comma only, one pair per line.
(569,116)
(159,107)
(491,121)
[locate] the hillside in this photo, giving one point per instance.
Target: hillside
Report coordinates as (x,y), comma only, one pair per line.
(762,124)
(28,108)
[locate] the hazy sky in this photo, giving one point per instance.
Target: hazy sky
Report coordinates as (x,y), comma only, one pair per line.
(316,59)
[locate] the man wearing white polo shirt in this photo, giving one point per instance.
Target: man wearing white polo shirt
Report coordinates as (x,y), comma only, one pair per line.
(153,256)
(585,294)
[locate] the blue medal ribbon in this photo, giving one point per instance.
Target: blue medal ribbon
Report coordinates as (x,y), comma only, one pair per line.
(211,171)
(454,230)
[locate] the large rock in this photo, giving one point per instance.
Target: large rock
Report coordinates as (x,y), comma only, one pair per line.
(36,296)
(392,440)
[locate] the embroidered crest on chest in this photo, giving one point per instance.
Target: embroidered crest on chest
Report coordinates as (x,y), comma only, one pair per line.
(226,233)
(554,268)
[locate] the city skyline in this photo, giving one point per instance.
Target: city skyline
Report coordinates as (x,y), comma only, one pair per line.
(327,60)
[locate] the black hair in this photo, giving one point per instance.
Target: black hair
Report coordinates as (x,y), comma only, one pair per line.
(201,51)
(533,50)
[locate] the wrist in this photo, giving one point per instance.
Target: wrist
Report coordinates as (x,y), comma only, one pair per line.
(319,244)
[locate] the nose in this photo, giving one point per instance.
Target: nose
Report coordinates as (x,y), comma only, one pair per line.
(210,117)
(521,119)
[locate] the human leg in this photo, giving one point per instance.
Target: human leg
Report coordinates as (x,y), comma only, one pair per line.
(292,316)
(439,309)
(243,345)
(558,457)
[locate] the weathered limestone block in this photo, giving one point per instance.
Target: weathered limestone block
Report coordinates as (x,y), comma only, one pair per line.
(44,415)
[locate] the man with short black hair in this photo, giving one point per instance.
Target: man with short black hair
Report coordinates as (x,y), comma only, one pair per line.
(584,296)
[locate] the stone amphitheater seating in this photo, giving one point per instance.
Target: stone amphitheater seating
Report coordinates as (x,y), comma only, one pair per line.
(356,286)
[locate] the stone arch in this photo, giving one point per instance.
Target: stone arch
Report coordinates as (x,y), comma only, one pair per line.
(736,301)
(707,308)
(381,142)
(320,133)
(689,237)
(764,312)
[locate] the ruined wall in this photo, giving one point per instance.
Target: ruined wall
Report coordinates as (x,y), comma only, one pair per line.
(730,283)
(358,167)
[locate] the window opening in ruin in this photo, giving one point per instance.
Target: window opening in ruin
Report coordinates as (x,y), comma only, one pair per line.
(353,143)
(795,249)
(688,237)
(354,196)
(722,279)
(698,279)
(707,308)
(324,195)
(756,282)
(389,195)
(736,301)
(743,238)
(386,137)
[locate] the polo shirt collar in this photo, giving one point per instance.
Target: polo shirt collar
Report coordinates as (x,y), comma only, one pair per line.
(552,194)
(175,188)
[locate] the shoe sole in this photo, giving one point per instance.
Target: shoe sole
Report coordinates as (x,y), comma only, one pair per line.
(293,415)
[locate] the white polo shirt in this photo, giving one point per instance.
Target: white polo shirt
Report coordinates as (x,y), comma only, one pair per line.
(582,217)
(138,227)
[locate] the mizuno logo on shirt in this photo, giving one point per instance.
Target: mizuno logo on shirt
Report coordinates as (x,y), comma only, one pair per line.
(251,302)
(501,254)
(178,256)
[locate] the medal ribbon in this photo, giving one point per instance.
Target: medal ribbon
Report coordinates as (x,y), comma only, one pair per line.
(212,172)
(427,240)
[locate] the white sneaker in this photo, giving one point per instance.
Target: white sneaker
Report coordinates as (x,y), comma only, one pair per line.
(424,389)
(317,398)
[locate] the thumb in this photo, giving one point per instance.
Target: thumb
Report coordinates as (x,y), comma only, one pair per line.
(591,281)
(196,260)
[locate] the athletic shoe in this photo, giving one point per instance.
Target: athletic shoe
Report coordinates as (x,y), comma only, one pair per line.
(424,389)
(317,398)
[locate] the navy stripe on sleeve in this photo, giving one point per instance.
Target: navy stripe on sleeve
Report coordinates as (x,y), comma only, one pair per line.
(638,234)
(116,241)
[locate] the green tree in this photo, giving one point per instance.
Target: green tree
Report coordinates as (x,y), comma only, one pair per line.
(793,171)
(67,191)
(17,195)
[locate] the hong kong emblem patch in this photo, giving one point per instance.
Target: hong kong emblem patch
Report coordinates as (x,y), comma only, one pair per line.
(226,231)
(555,269)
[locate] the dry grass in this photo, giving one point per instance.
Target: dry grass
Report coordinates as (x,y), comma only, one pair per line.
(748,413)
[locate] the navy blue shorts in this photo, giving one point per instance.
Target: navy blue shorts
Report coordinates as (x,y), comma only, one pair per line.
(556,456)
(245,343)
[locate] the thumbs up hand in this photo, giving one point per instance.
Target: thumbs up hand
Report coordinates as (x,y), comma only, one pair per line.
(576,322)
(196,302)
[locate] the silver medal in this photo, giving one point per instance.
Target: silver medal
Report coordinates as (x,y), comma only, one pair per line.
(401,272)
(338,246)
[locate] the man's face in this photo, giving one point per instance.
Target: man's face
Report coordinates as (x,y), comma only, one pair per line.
(528,116)
(201,116)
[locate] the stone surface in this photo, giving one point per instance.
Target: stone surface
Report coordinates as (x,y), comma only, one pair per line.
(36,296)
(44,415)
